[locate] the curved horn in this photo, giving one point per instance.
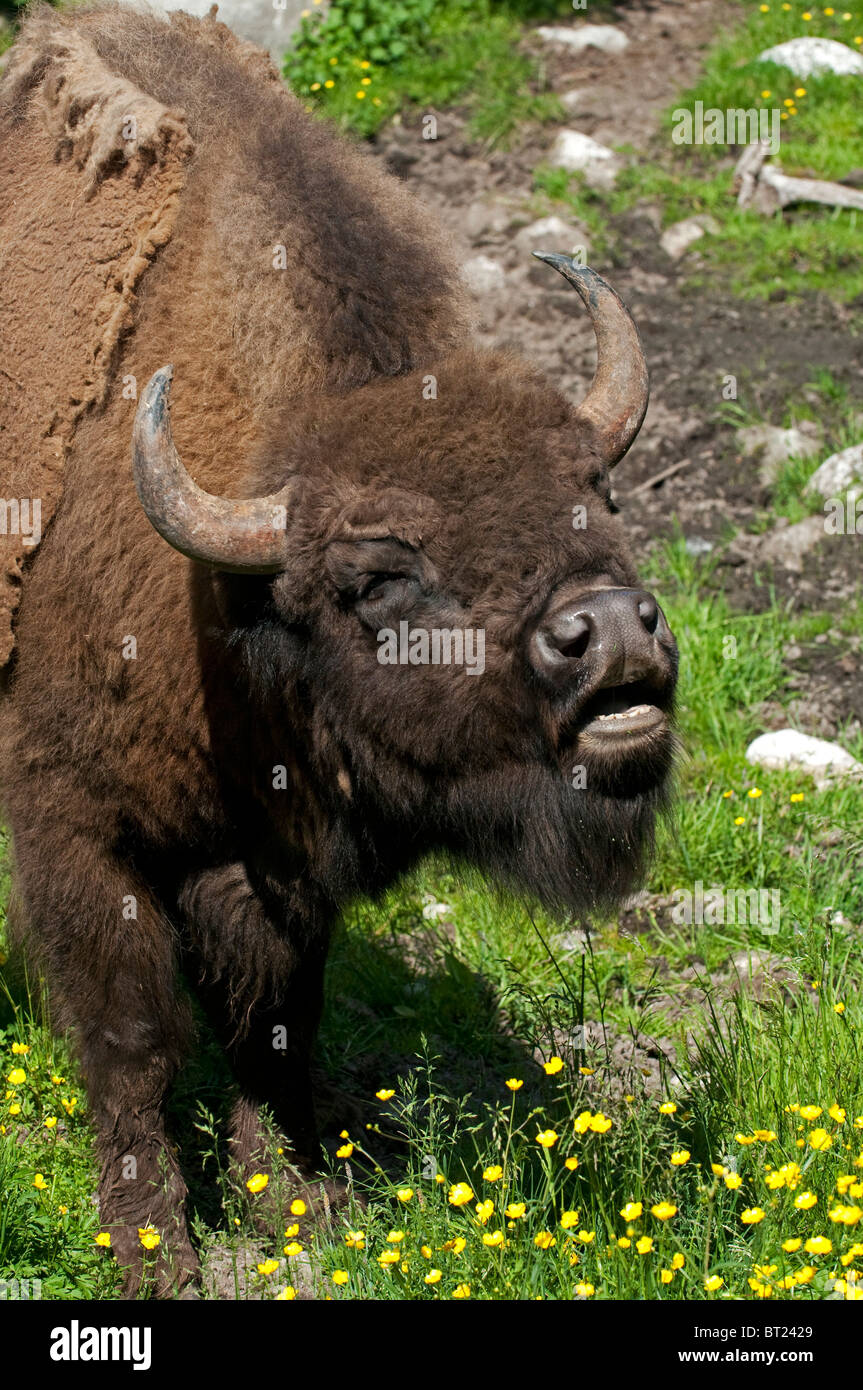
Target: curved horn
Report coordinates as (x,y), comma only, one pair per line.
(245,535)
(617,400)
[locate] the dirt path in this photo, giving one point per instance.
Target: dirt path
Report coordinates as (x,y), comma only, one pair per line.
(692,340)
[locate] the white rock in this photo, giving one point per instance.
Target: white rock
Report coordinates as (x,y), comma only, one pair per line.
(579,153)
(258,20)
(570,100)
(552,234)
(677,239)
(787,545)
(786,748)
(603,36)
(776,446)
(838,472)
(482,275)
(805,56)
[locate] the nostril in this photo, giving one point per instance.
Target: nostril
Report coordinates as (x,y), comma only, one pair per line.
(648,612)
(575,643)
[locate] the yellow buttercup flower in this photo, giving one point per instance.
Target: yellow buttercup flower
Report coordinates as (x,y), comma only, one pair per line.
(514,1084)
(17,1076)
(733,1180)
(340,1276)
(644,1245)
(385,1094)
(493,1238)
(571,1163)
(663,1211)
(461,1291)
(103,1238)
(713,1283)
(600,1124)
(544,1240)
(404,1194)
(546,1138)
(668,1108)
(268,1267)
(569,1219)
(287,1295)
(515,1210)
(752,1215)
(631,1211)
(149,1237)
(818,1245)
(666,1275)
(389,1257)
(484,1211)
(39,1181)
(434,1276)
(678,1261)
(460,1194)
(820,1140)
(493,1173)
(809,1112)
(344,1151)
(553,1066)
(257,1182)
(837,1113)
(585,1290)
(680,1157)
(50,1121)
(20,1049)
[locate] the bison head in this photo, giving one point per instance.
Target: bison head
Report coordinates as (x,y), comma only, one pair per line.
(441,607)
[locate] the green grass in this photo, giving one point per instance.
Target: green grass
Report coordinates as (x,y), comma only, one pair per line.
(364,62)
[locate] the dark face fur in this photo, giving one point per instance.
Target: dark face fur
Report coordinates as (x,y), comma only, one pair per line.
(543,757)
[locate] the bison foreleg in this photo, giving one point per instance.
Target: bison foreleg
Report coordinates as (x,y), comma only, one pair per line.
(262,986)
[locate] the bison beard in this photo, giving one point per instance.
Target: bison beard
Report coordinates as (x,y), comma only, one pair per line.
(195,812)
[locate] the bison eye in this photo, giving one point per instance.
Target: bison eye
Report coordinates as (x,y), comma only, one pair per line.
(385,592)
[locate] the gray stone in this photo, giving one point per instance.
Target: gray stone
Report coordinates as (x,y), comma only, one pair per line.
(805,56)
(580,154)
(482,275)
(258,20)
(605,37)
(787,748)
(677,239)
(776,446)
(838,472)
(552,234)
(787,545)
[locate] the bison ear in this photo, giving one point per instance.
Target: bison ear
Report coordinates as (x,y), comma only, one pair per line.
(615,405)
(244,535)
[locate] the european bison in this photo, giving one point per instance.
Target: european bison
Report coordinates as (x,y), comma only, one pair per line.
(395,612)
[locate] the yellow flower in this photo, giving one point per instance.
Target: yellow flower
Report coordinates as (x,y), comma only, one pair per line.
(287,1295)
(733,1181)
(599,1124)
(365,63)
(149,1237)
(257,1182)
(666,1275)
(571,1163)
(514,1084)
(663,1211)
(39,1181)
(586,1071)
(396,1237)
(745,1138)
(717,1169)
(818,1245)
(460,1194)
(293,1248)
(17,1076)
(581,1123)
(434,1276)
(752,1215)
(790,1246)
(668,1108)
(765,1135)
(360,96)
(365,81)
(680,1157)
(50,1121)
(268,1267)
(456,1246)
(545,1240)
(726,795)
(493,1238)
(775,1181)
(290,1231)
(386,1093)
(586,1237)
(515,1210)
(62,1210)
(426,1252)
(644,1245)
(585,1290)
(800,91)
(103,1238)
(461,1291)
(568,1219)
(404,1194)
(846,1216)
(713,1283)
(57,1080)
(14,1109)
(837,1113)
(389,1257)
(20,1049)
(820,1140)
(298,1207)
(739,820)
(344,1151)
(624,1242)
(839,1008)
(493,1173)
(804,1200)
(340,1276)
(315,87)
(762,1290)
(547,1138)
(484,1210)
(765,95)
(553,1066)
(631,1211)
(678,1261)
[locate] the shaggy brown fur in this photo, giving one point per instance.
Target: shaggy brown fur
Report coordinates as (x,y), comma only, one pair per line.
(151,830)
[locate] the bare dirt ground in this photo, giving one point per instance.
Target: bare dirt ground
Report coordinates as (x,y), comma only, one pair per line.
(692,339)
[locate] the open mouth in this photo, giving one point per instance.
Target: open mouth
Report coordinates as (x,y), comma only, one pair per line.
(621,711)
